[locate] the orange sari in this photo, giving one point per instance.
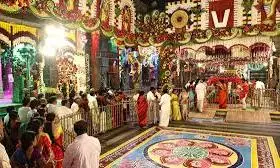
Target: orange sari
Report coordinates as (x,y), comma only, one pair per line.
(222,96)
(142,109)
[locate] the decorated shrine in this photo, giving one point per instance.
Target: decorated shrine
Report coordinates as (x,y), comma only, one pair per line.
(187,40)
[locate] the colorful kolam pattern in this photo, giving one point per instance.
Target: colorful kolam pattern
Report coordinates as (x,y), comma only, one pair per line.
(178,147)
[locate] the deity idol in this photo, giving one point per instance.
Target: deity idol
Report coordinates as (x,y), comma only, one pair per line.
(126,19)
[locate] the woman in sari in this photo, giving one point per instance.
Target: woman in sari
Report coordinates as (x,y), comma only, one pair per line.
(43,140)
(222,95)
(183,98)
(176,114)
(142,109)
(54,129)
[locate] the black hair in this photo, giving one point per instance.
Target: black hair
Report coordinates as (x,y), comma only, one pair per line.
(80,127)
(141,93)
(165,90)
(26,101)
(64,102)
(152,89)
(13,115)
(48,126)
(10,109)
(84,96)
(34,104)
(52,99)
(34,126)
(41,111)
(40,96)
(27,139)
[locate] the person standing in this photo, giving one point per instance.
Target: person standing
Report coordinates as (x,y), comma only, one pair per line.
(53,128)
(183,98)
(84,151)
(222,95)
(52,104)
(176,114)
(165,104)
(142,109)
(152,115)
(259,90)
(200,90)
(244,93)
(4,158)
(22,112)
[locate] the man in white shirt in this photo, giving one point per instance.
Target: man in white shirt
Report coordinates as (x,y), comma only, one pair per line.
(165,104)
(200,90)
(152,114)
(63,111)
(93,106)
(259,90)
(85,151)
(52,104)
(23,111)
(75,106)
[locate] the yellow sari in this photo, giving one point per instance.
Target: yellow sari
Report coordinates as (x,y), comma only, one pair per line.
(176,114)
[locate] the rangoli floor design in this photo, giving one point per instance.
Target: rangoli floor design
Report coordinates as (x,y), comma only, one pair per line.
(181,148)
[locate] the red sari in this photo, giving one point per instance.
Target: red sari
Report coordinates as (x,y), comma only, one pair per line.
(142,108)
(45,147)
(222,96)
(57,147)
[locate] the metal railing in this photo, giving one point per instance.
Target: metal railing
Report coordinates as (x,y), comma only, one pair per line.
(100,120)
(266,99)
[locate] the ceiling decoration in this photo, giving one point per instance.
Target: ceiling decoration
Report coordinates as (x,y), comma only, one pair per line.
(185,21)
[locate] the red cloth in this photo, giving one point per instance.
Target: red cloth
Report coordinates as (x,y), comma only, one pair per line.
(245,90)
(44,144)
(142,109)
(58,151)
(222,99)
(223,94)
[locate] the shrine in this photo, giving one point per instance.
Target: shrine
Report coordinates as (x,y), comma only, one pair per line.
(159,83)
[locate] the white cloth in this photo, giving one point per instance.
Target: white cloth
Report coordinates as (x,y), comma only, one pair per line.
(158,95)
(165,103)
(67,122)
(92,101)
(260,85)
(152,114)
(4,158)
(6,119)
(75,107)
(135,97)
(63,111)
(200,105)
(22,113)
(59,101)
(200,90)
(30,114)
(51,108)
(151,96)
(84,152)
